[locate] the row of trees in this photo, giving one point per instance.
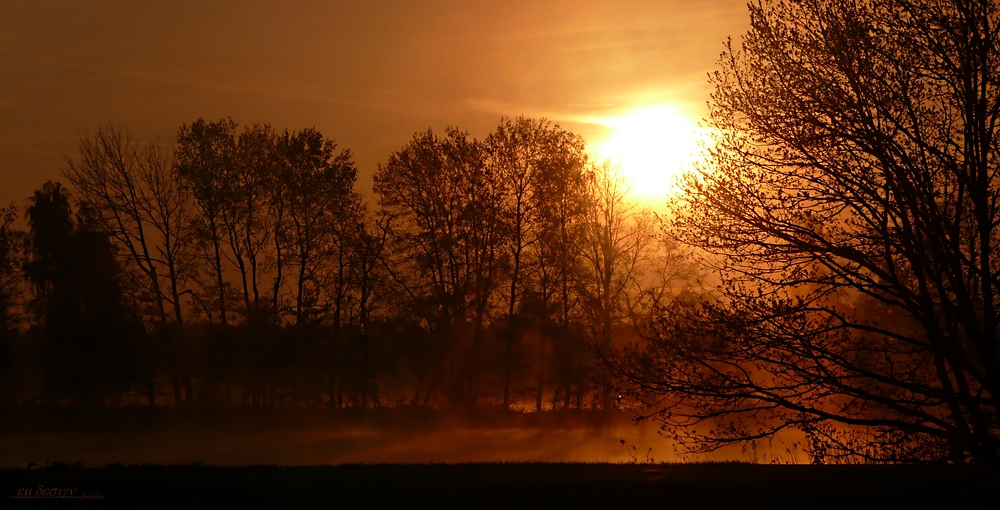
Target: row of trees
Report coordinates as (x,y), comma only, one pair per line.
(851,211)
(242,266)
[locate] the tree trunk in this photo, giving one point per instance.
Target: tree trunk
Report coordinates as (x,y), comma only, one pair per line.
(510,327)
(541,373)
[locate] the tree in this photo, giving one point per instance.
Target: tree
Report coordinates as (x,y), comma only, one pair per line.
(248,213)
(447,235)
(368,277)
(135,196)
(281,210)
(204,159)
(10,262)
(318,223)
(90,332)
(525,155)
(320,207)
(617,236)
(562,205)
(11,242)
(852,209)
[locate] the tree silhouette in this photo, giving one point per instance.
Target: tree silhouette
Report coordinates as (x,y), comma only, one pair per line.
(242,265)
(852,209)
(319,225)
(248,213)
(563,204)
(617,238)
(11,247)
(90,334)
(204,159)
(448,235)
(135,196)
(321,210)
(525,155)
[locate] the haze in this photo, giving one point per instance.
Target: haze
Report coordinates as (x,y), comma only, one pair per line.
(368,74)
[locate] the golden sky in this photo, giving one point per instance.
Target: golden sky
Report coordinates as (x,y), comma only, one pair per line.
(367,73)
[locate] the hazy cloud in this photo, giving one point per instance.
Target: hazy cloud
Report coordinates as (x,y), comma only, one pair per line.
(368,74)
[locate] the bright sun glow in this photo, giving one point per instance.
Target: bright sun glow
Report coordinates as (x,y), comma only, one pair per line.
(654,146)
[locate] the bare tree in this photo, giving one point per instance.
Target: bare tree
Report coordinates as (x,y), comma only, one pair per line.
(136,197)
(319,227)
(369,281)
(248,213)
(852,209)
(617,237)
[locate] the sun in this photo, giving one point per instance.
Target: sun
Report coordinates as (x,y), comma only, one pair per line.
(653,145)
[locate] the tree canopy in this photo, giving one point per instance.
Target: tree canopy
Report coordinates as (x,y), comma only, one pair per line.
(241,267)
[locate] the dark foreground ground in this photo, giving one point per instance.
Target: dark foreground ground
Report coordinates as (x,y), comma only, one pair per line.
(528,485)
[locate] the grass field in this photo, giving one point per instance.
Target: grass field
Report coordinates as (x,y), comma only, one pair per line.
(511,485)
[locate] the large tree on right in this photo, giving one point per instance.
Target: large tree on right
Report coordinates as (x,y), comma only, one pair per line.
(852,210)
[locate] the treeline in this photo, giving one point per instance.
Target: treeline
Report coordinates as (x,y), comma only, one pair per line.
(241,266)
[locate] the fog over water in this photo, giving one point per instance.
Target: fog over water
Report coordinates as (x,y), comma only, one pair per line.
(189,444)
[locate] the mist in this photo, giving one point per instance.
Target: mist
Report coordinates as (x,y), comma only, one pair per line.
(288,441)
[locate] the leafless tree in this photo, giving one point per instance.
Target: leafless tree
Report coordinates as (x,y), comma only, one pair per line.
(617,239)
(618,235)
(852,210)
(133,191)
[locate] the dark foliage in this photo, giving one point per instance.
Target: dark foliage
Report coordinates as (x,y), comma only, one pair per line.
(88,329)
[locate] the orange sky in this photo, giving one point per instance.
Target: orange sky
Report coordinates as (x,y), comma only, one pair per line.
(366,73)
